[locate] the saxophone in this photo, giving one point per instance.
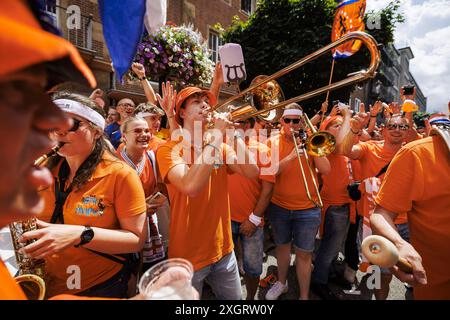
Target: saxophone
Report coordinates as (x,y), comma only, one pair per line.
(31,275)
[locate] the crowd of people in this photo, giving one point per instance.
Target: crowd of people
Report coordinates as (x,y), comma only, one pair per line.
(117,198)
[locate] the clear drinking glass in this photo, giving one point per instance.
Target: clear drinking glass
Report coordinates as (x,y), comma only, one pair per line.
(168,280)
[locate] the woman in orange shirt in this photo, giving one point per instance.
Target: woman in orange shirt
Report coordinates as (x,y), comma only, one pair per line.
(94,210)
(136,136)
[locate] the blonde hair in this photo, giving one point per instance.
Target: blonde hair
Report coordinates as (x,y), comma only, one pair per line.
(125,124)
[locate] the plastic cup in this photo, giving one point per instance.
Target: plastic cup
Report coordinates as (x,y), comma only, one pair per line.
(409,106)
(168,280)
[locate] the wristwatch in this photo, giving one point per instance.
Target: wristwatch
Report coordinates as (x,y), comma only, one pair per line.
(143,78)
(86,236)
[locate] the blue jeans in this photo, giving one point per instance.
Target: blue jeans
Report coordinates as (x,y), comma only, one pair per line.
(299,226)
(223,277)
(252,249)
(337,222)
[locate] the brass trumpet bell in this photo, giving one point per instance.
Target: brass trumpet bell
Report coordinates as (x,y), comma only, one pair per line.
(320,144)
(265,96)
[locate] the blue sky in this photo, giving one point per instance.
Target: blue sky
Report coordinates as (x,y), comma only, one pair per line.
(427,31)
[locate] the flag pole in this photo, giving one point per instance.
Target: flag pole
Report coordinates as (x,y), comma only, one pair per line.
(328,92)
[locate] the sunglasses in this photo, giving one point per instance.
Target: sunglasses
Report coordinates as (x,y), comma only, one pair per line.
(140,131)
(76,125)
(394,126)
(294,121)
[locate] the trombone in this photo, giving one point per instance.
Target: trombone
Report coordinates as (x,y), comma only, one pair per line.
(264,96)
(270,94)
(319,202)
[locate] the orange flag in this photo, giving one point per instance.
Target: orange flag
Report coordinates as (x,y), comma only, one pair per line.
(349,17)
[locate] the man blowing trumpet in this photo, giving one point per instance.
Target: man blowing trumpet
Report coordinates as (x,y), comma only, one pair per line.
(195,171)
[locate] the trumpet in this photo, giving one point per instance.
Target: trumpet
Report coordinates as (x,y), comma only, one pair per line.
(31,274)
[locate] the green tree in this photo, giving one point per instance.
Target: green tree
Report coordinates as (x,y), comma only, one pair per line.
(282,31)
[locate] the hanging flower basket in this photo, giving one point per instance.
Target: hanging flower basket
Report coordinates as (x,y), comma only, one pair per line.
(175,53)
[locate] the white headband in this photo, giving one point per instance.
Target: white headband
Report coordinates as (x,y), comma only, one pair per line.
(144,114)
(292,112)
(81,110)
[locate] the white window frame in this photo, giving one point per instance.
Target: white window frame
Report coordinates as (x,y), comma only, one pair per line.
(55,14)
(214,53)
(252,7)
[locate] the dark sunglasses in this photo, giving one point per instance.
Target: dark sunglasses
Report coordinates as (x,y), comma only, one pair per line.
(294,121)
(394,126)
(76,125)
(140,131)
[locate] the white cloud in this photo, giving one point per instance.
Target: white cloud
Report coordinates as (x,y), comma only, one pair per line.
(427,31)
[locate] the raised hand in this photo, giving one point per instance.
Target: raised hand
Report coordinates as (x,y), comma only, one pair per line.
(168,99)
(376,108)
(324,107)
(334,111)
(358,122)
(218,74)
(395,108)
(138,69)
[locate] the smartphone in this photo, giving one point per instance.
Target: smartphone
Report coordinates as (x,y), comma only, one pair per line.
(408,90)
(157,198)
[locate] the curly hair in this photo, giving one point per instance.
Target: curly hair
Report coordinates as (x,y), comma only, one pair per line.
(87,168)
(150,108)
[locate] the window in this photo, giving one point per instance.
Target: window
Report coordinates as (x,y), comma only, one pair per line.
(51,8)
(248,6)
(214,41)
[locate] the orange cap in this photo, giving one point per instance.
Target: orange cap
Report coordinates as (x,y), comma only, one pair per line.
(24,44)
(186,93)
(329,120)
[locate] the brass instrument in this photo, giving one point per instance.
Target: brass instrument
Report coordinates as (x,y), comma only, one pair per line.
(265,96)
(31,271)
(318,203)
(264,93)
(318,144)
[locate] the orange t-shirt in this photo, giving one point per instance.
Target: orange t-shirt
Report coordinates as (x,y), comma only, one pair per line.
(334,188)
(200,227)
(146,176)
(418,182)
(244,192)
(289,190)
(153,144)
(374,156)
(9,289)
(114,191)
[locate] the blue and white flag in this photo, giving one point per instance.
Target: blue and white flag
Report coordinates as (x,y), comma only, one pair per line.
(123,25)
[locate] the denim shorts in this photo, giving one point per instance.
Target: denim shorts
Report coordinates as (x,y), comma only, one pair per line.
(252,249)
(299,226)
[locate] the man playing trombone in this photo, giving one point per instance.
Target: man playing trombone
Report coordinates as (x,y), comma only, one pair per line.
(293,215)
